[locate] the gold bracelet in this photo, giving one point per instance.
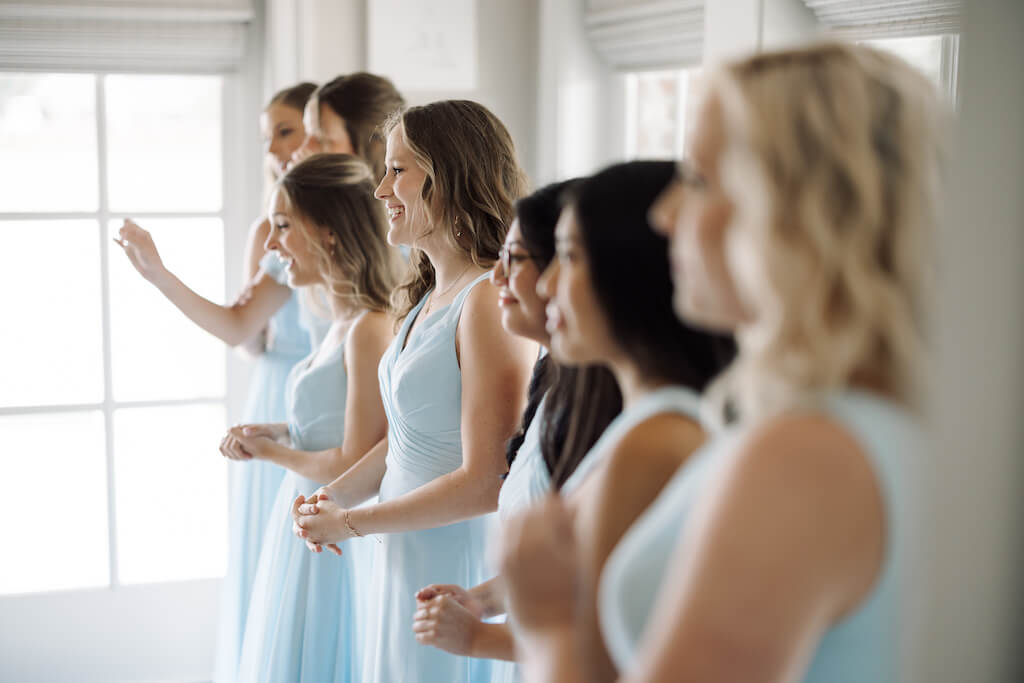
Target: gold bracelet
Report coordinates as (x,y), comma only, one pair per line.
(351,529)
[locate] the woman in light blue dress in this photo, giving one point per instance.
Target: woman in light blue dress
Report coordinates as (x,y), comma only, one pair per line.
(269,321)
(621,318)
(461,621)
(453,384)
(303,622)
(782,550)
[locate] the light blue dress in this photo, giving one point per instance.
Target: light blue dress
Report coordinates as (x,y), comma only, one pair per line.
(291,335)
(670,399)
(527,482)
(865,645)
(421,386)
(528,478)
(302,618)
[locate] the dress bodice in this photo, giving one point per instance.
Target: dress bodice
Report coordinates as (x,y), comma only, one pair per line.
(528,478)
(316,395)
(865,645)
(670,399)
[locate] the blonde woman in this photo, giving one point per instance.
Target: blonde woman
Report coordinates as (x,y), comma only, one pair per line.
(453,383)
(330,231)
(779,551)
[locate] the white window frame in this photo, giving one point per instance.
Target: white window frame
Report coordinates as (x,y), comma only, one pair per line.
(683,76)
(166,630)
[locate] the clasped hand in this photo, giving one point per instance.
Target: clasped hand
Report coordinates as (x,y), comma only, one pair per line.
(320,521)
(245,442)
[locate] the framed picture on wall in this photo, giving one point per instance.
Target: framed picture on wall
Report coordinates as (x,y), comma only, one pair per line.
(424,45)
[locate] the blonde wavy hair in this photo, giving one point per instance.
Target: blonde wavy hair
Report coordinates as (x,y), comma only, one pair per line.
(833,160)
(473,180)
(333,193)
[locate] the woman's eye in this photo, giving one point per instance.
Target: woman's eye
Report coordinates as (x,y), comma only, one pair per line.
(396,170)
(518,258)
(285,132)
(281,226)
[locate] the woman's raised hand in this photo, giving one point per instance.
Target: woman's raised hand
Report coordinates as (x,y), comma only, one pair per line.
(138,245)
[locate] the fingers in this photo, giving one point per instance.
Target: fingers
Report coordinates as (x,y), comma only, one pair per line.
(230,448)
(333,547)
(310,508)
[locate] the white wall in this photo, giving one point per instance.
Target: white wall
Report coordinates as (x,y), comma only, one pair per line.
(319,39)
(580,100)
(786,22)
(972,626)
(738,27)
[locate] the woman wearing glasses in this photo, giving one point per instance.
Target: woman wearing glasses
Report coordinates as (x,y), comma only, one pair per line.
(562,400)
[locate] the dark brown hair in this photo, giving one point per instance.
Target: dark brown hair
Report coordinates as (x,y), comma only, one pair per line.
(363,101)
(579,402)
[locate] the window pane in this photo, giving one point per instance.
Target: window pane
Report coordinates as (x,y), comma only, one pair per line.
(923,52)
(171,493)
(53,501)
(164,143)
(51,341)
(48,142)
(656,114)
(157,352)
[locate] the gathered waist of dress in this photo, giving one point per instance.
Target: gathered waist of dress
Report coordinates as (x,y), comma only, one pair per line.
(423,456)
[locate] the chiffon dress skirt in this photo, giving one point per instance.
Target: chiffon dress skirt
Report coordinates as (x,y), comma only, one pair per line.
(421,386)
(527,482)
(303,622)
(254,484)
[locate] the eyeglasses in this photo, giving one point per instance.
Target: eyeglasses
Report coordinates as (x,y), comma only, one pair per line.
(506,258)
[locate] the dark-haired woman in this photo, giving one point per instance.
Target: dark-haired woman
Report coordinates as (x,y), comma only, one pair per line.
(561,400)
(611,303)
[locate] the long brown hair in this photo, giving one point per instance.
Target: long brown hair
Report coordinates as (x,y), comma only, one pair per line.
(334,193)
(363,101)
(472,182)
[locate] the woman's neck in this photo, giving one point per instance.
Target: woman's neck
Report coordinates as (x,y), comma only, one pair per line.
(633,384)
(449,267)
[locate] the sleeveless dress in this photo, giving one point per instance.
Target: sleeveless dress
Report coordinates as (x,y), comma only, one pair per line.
(528,479)
(670,399)
(865,645)
(421,386)
(291,335)
(302,620)
(527,482)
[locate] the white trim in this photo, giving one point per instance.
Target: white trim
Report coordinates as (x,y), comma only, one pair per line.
(92,215)
(203,15)
(9,411)
(103,218)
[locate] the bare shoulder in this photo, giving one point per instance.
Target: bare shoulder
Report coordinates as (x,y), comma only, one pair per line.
(805,449)
(481,341)
(662,441)
(370,332)
(481,302)
(480,321)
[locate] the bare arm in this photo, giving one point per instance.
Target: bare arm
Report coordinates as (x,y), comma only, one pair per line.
(495,370)
(254,252)
(231,324)
(365,422)
(610,501)
(733,606)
